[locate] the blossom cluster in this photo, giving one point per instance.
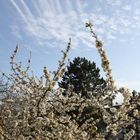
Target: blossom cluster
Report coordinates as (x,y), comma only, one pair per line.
(35,110)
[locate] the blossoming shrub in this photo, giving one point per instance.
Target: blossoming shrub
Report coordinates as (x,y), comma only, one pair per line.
(39,111)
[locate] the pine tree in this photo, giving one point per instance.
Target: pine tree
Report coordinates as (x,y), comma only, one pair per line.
(84,77)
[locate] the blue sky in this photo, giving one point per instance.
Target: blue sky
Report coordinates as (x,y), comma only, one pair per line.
(44,27)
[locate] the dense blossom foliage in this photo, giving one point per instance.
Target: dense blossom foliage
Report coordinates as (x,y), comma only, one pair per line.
(35,109)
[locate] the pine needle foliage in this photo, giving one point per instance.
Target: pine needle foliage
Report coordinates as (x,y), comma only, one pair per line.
(84,77)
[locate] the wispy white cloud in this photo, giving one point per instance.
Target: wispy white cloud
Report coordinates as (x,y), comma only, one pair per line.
(127,7)
(19,11)
(58,20)
(27,10)
(16,31)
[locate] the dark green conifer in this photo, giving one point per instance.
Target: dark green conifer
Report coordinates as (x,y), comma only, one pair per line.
(84,77)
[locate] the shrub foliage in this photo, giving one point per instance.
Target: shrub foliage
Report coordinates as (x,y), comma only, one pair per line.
(39,111)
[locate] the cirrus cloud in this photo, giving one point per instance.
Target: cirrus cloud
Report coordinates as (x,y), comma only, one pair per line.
(55,21)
